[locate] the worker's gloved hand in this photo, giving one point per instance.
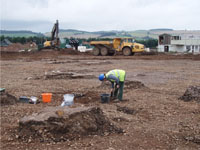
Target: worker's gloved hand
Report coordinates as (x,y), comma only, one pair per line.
(111,90)
(117,86)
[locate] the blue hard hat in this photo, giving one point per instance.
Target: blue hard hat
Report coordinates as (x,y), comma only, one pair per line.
(101,77)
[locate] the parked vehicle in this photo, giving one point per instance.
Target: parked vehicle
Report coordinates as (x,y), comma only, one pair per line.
(125,45)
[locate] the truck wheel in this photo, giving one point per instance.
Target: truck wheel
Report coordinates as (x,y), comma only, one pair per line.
(127,51)
(104,51)
(96,51)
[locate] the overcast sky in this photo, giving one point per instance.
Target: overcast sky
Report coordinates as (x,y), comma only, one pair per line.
(98,15)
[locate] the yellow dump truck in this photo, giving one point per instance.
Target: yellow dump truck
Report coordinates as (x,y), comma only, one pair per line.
(125,45)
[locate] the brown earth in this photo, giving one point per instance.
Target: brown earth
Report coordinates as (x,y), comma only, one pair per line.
(56,124)
(152,115)
(16,47)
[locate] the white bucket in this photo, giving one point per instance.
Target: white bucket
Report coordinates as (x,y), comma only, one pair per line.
(68,100)
(33,99)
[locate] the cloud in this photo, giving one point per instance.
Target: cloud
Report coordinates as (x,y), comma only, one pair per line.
(93,15)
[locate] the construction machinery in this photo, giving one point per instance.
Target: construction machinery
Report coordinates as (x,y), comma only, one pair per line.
(57,43)
(54,42)
(125,45)
(74,43)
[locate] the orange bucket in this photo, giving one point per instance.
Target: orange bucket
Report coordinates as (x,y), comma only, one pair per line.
(46,97)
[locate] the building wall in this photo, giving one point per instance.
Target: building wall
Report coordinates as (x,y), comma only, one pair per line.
(181,43)
(183,48)
(186,42)
(178,48)
(161,48)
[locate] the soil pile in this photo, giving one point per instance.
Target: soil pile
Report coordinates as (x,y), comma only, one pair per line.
(133,85)
(7,99)
(71,51)
(192,93)
(88,97)
(16,47)
(61,124)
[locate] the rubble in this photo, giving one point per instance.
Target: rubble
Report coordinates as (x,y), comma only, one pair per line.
(193,138)
(192,93)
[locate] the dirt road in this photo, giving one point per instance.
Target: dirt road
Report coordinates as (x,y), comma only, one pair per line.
(159,120)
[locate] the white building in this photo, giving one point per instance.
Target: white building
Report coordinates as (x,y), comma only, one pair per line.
(186,41)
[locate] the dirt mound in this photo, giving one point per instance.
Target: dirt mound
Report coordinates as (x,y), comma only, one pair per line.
(127,86)
(71,51)
(87,98)
(133,85)
(149,53)
(16,47)
(7,99)
(192,93)
(61,124)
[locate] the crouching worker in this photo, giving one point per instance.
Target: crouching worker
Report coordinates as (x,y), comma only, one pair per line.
(117,78)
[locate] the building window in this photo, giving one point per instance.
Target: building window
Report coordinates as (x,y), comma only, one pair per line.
(188,48)
(161,40)
(176,38)
(191,37)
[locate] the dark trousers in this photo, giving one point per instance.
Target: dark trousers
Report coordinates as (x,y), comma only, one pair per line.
(120,90)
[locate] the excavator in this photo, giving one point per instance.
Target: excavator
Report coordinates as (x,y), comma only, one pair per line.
(54,43)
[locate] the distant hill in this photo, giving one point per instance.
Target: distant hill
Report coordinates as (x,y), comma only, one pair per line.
(160,29)
(137,34)
(68,33)
(20,33)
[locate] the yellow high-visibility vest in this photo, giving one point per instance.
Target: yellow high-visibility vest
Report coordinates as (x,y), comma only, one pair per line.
(120,74)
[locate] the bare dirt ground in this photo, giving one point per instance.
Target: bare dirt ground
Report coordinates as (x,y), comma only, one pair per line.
(151,115)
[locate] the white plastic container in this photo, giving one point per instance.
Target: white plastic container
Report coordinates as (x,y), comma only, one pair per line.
(33,99)
(68,100)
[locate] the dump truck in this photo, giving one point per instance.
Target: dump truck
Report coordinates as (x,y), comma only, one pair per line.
(125,45)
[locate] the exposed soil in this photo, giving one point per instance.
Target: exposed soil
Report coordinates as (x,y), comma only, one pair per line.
(56,124)
(152,116)
(126,110)
(17,47)
(7,99)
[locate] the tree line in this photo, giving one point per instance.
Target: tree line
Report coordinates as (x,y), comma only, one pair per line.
(23,40)
(151,43)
